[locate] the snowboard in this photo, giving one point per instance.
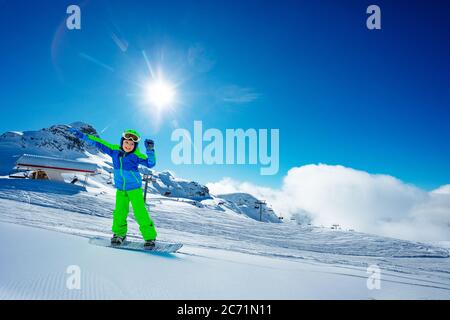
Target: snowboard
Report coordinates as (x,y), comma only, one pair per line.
(160,246)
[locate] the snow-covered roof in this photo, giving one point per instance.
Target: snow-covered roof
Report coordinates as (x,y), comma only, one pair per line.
(59,164)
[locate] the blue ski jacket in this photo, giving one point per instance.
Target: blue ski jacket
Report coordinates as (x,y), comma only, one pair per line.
(126,173)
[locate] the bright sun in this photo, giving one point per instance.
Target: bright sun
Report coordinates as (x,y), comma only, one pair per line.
(160,93)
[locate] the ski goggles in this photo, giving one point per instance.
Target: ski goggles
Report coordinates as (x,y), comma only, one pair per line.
(130,136)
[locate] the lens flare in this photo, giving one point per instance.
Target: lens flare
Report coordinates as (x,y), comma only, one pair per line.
(160,93)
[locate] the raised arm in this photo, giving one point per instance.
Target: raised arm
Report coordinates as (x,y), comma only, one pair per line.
(148,159)
(100,144)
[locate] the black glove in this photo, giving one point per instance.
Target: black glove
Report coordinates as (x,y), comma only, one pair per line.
(149,144)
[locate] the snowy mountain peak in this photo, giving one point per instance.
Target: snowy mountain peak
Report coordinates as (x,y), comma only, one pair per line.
(84,127)
(55,140)
(166,184)
(11,135)
(247,204)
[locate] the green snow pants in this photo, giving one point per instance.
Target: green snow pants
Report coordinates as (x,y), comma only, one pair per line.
(120,214)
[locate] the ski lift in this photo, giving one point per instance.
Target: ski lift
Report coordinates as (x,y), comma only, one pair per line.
(51,168)
(19,174)
(110,180)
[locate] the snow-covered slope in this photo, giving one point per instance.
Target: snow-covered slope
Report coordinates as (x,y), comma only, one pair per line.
(195,273)
(220,248)
(217,231)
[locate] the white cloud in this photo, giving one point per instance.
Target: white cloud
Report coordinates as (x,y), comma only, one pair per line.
(443,189)
(373,203)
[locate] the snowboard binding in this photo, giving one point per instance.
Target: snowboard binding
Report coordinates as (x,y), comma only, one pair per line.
(149,244)
(117,240)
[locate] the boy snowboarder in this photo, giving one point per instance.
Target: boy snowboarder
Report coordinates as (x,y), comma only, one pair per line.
(126,158)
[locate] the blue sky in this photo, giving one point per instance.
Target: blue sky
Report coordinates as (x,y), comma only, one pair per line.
(377,101)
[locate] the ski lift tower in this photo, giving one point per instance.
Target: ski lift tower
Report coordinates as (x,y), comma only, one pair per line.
(260,203)
(147,178)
